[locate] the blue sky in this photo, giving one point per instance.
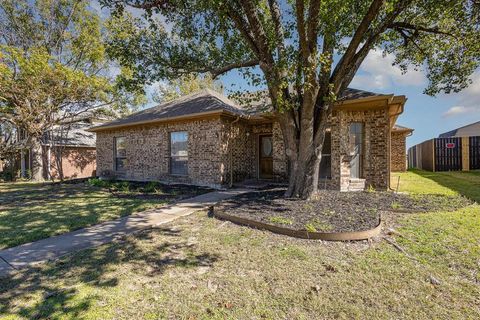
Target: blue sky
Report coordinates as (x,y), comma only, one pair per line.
(429,116)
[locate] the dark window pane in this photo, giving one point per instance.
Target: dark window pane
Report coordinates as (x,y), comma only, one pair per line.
(120,153)
(120,164)
(327,143)
(325,167)
(179,165)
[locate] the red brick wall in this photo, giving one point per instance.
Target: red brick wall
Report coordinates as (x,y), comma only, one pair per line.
(77,162)
(399,151)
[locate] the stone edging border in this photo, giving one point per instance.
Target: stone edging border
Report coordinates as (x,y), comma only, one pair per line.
(303,234)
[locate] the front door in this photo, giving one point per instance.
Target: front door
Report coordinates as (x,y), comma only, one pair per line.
(265,158)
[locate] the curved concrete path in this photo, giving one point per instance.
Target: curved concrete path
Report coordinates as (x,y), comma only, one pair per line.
(29,254)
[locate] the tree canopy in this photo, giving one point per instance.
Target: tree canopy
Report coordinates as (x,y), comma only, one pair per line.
(305,52)
(53,64)
(54,67)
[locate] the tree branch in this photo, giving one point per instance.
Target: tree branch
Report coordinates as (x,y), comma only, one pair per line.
(404,25)
(217,72)
(312,26)
(302,35)
(362,29)
(280,34)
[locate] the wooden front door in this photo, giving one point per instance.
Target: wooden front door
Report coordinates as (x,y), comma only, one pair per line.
(265,158)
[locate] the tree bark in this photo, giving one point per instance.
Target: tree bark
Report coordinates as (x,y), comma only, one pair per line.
(303,160)
(37,160)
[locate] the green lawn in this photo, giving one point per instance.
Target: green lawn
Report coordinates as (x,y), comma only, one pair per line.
(202,268)
(33,211)
(447,183)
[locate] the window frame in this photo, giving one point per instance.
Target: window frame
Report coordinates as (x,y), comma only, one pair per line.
(326,156)
(172,157)
(115,155)
(361,151)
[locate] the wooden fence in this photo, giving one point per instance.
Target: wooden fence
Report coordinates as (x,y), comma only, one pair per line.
(446,154)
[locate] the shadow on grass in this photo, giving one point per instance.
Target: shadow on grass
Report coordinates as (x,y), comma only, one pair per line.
(465,183)
(61,285)
(34,211)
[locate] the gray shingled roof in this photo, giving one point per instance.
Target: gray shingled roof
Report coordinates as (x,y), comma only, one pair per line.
(472,129)
(400,128)
(76,135)
(197,103)
(351,94)
(210,101)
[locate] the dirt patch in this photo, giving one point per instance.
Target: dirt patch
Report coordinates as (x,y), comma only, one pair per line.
(333,211)
(155,191)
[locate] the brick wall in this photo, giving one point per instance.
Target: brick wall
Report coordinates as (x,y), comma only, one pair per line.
(77,162)
(376,149)
(148,151)
(399,151)
(219,146)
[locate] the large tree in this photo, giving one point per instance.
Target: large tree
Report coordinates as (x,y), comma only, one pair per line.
(305,52)
(53,69)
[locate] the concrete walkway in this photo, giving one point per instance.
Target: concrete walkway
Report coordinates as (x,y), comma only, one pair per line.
(29,254)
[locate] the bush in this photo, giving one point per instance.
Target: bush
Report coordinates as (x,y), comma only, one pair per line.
(123,186)
(151,187)
(95,182)
(6,176)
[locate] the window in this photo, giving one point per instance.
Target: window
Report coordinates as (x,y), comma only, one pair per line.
(356,136)
(326,161)
(179,153)
(120,154)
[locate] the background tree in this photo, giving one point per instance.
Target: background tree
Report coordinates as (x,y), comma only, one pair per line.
(306,52)
(184,85)
(53,68)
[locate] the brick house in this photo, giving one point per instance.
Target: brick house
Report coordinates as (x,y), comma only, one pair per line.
(399,148)
(70,141)
(207,139)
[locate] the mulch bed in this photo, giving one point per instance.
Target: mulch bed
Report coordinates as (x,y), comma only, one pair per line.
(140,190)
(333,211)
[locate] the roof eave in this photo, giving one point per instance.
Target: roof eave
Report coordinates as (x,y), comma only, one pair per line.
(162,120)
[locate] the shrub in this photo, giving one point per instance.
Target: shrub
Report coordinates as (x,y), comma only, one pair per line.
(151,187)
(123,186)
(95,182)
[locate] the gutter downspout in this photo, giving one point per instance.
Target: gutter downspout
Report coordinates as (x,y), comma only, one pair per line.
(230,160)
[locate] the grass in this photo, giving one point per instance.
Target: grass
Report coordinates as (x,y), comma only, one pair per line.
(280,220)
(33,211)
(203,268)
(445,183)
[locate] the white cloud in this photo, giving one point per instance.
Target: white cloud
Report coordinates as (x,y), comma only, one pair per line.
(458,110)
(468,100)
(377,72)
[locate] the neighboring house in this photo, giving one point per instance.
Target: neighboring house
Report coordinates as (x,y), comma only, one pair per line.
(469,130)
(207,139)
(454,150)
(399,148)
(68,148)
(75,146)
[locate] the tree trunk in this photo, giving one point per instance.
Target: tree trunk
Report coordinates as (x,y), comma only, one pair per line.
(304,161)
(37,160)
